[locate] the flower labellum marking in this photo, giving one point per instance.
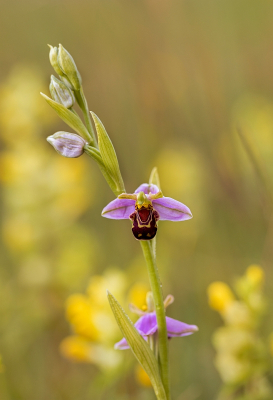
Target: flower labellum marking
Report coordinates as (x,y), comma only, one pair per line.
(144,222)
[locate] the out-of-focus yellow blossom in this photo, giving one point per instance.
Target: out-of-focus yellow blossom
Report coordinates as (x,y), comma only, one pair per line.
(92,321)
(255,274)
(231,369)
(79,349)
(76,348)
(41,191)
(241,357)
(137,294)
(89,314)
(249,288)
(79,313)
(142,377)
(220,296)
(238,314)
(112,278)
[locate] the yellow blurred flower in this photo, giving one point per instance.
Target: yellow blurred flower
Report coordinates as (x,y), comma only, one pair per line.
(249,289)
(112,278)
(238,313)
(91,319)
(233,340)
(220,296)
(142,377)
(76,348)
(79,314)
(41,191)
(255,275)
(137,294)
(231,369)
(241,358)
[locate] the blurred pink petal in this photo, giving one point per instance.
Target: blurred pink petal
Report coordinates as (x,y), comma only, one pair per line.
(147,188)
(172,210)
(119,209)
(147,326)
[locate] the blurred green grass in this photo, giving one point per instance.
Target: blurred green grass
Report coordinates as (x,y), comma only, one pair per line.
(170,81)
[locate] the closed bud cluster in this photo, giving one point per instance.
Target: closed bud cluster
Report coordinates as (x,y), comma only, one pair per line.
(67,144)
(65,66)
(61,93)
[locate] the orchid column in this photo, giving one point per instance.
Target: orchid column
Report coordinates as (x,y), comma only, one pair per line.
(144,208)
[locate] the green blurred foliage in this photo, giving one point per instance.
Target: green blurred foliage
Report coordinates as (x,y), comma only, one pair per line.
(171,81)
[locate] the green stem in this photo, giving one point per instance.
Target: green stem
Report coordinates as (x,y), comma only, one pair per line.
(86,113)
(160,313)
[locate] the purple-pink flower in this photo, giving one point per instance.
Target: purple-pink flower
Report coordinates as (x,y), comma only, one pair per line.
(147,326)
(145,207)
(67,144)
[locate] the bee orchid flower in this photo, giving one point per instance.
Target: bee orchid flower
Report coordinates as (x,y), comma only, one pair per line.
(145,207)
(147,326)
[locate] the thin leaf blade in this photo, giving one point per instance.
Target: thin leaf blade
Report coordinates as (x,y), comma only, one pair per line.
(139,347)
(108,153)
(69,118)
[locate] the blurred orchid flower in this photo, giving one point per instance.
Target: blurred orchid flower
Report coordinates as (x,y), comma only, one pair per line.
(145,207)
(147,325)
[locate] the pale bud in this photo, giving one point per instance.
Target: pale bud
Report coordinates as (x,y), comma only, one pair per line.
(67,144)
(53,58)
(61,93)
(69,68)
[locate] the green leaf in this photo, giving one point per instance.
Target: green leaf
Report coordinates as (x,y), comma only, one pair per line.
(95,154)
(70,118)
(139,347)
(108,154)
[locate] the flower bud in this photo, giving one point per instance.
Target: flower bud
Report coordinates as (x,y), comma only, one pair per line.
(61,93)
(53,58)
(67,144)
(69,68)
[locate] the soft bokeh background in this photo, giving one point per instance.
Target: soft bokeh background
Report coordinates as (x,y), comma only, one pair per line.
(170,80)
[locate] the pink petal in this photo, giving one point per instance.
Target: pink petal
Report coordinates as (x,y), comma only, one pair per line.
(119,209)
(146,188)
(177,328)
(172,210)
(147,325)
(122,345)
(67,144)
